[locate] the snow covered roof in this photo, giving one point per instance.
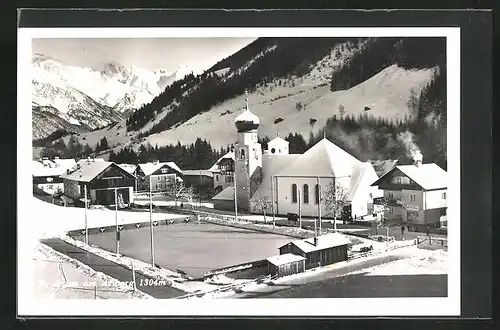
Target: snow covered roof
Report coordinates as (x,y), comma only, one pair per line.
(428,176)
(278,140)
(149,168)
(55,167)
(271,164)
(198,172)
(365,174)
(87,171)
(324,242)
(329,161)
(247,116)
(225,195)
(283,259)
(215,167)
(130,168)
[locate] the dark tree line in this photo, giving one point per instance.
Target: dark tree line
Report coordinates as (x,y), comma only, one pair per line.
(198,155)
(380,53)
(73,149)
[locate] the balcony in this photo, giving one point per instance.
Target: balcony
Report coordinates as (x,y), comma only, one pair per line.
(387,201)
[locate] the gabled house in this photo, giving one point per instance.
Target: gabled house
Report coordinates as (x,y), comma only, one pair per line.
(130,168)
(198,178)
(101,180)
(47,174)
(223,172)
(414,195)
(160,175)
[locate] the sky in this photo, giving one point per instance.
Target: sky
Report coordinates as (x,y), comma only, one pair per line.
(166,53)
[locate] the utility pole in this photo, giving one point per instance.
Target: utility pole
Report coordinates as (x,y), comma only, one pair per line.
(151,224)
(116,222)
(272,201)
(319,201)
(86,224)
(300,214)
(235,198)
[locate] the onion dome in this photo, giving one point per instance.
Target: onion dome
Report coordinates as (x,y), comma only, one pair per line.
(246,121)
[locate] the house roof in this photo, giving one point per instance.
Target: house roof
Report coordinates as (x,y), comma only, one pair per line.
(329,161)
(278,140)
(87,171)
(130,168)
(283,259)
(198,172)
(428,176)
(324,242)
(225,195)
(150,168)
(215,168)
(55,167)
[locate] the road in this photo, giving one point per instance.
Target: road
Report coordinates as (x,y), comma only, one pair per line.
(112,269)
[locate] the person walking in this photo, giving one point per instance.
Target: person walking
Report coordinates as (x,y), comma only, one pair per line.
(402,231)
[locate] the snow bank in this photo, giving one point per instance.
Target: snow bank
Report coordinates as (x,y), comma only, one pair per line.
(54,220)
(58,276)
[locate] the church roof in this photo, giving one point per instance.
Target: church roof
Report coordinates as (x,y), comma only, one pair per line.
(247,116)
(272,164)
(324,159)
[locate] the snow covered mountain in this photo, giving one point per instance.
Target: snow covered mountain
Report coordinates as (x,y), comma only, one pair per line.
(294,85)
(88,97)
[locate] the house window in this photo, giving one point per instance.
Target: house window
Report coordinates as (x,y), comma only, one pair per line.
(217,177)
(317,193)
(398,180)
(412,197)
(444,195)
(391,210)
(229,178)
(294,193)
(242,154)
(306,194)
(391,194)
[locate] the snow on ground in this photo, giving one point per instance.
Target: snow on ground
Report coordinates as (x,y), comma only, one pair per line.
(418,261)
(64,277)
(54,220)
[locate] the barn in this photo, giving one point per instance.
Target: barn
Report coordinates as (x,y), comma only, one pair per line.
(286,264)
(101,180)
(319,251)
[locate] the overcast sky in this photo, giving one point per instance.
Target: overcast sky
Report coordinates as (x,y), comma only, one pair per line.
(168,54)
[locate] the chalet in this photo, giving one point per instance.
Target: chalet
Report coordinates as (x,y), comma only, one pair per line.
(223,172)
(130,168)
(47,174)
(319,251)
(414,195)
(198,178)
(101,180)
(157,176)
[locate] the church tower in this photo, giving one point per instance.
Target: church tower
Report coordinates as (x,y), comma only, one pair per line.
(248,158)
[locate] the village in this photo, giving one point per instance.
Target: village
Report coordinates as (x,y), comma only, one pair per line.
(255,216)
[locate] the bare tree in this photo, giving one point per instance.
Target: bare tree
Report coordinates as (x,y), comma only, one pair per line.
(384,207)
(341,110)
(264,204)
(335,198)
(188,195)
(175,190)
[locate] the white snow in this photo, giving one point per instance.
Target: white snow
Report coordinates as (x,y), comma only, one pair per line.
(54,220)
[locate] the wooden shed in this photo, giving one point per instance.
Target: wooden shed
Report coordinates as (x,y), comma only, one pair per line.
(319,251)
(286,264)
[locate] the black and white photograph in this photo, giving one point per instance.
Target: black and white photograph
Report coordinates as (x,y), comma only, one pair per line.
(231,171)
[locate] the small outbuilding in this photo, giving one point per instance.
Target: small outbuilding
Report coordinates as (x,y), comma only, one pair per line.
(286,264)
(319,251)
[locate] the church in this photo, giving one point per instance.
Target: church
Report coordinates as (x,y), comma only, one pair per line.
(293,183)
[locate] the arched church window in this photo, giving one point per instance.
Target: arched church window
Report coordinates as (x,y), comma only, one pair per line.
(306,194)
(294,193)
(242,154)
(317,194)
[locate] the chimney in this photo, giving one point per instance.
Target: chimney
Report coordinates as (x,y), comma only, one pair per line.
(418,160)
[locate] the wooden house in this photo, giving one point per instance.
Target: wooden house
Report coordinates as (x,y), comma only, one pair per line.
(102,180)
(319,251)
(286,264)
(159,175)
